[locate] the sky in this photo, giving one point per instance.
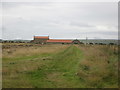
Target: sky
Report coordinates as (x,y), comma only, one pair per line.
(60,20)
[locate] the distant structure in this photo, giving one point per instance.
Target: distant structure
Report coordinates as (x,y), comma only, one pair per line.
(76,42)
(59,41)
(46,40)
(40,39)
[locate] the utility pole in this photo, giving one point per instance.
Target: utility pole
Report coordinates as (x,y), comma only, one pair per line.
(86,40)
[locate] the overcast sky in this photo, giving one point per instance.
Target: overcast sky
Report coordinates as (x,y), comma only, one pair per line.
(69,20)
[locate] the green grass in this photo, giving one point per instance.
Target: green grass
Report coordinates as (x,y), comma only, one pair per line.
(19,58)
(60,72)
(67,67)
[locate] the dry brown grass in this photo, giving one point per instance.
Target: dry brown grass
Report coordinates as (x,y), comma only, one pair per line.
(99,63)
(28,51)
(27,65)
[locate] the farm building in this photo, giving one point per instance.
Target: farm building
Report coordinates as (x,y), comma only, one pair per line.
(76,42)
(59,41)
(46,40)
(40,39)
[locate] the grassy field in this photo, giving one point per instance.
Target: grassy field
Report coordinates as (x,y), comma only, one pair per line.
(60,66)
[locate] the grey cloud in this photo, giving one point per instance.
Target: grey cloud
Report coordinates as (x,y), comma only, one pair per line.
(80,24)
(104,33)
(58,20)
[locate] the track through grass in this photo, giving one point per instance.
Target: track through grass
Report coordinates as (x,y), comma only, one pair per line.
(60,66)
(60,71)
